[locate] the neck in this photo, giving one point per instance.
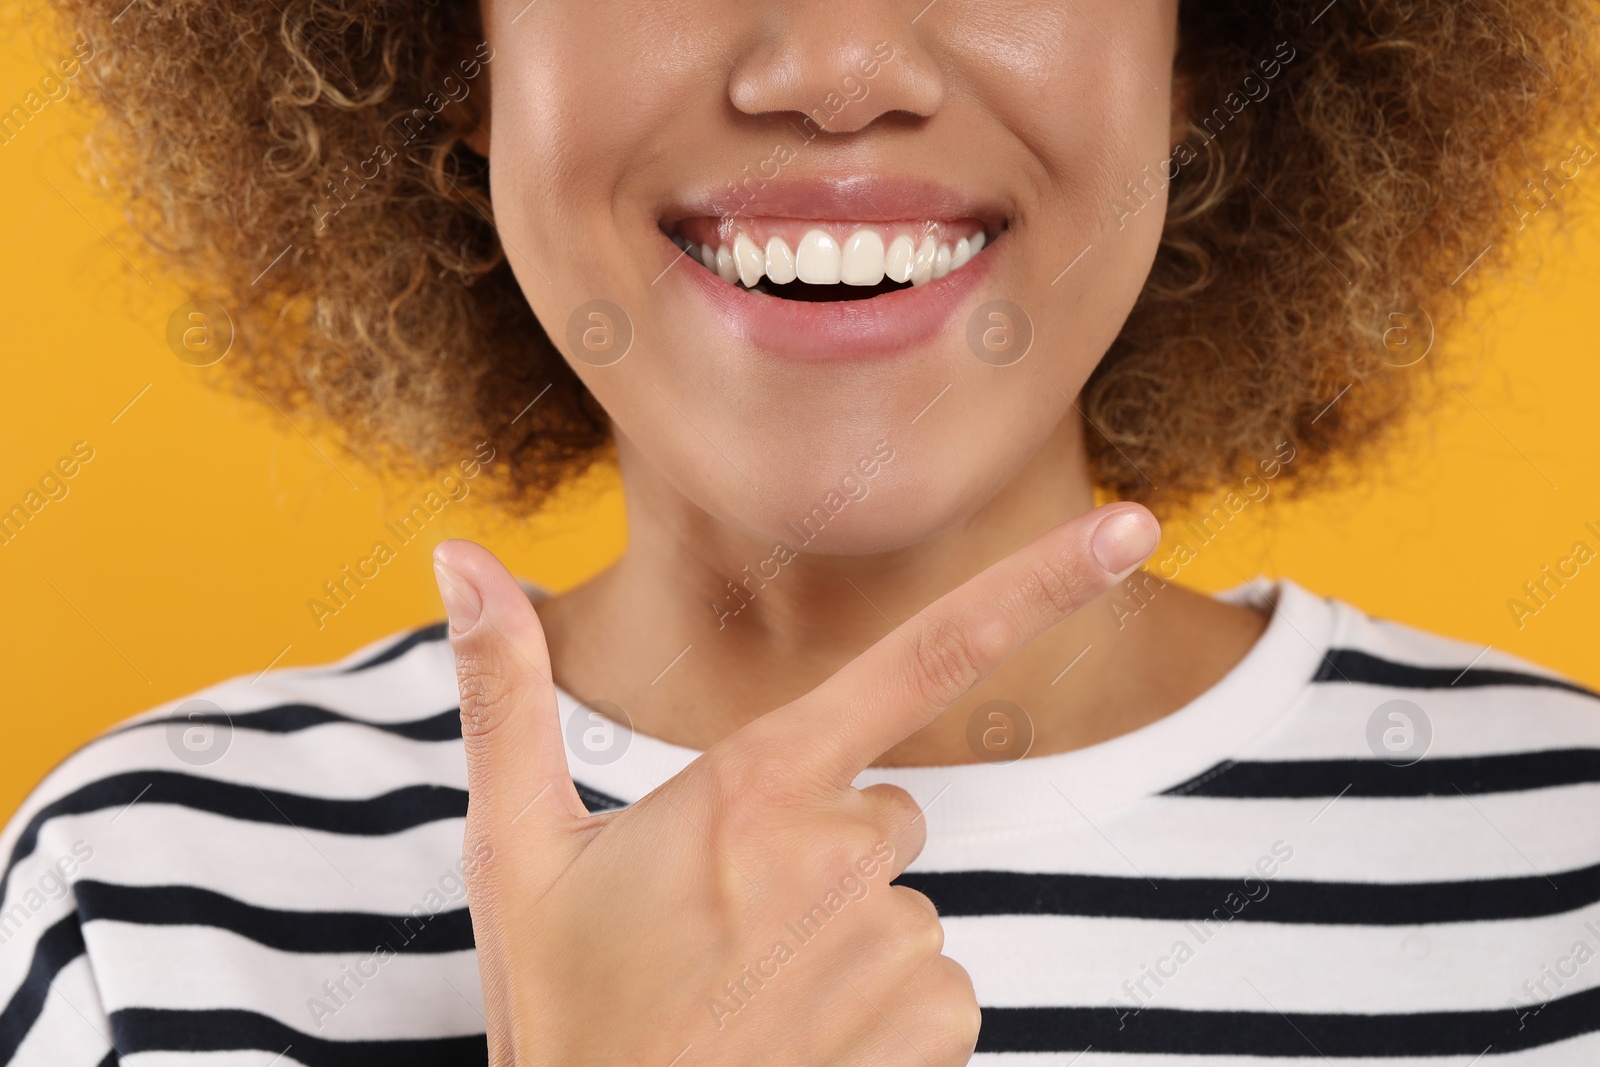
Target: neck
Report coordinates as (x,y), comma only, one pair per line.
(700,628)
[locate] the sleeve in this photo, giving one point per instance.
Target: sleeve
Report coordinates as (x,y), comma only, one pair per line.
(52,1008)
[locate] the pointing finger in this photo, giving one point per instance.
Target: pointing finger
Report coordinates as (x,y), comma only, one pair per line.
(900,684)
(516,759)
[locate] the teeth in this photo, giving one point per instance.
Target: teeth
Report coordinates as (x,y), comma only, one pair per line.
(780,261)
(725,266)
(818,259)
(962,253)
(897,261)
(749,259)
(922,265)
(862,260)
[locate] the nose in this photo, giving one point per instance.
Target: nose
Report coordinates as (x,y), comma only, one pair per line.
(840,65)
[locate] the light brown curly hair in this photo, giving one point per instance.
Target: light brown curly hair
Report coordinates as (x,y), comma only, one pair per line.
(1400,141)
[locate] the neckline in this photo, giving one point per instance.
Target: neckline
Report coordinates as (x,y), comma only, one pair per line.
(967,798)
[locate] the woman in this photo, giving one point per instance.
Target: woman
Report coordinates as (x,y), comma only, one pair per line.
(882,743)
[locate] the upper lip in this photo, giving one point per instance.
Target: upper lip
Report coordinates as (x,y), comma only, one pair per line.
(839,198)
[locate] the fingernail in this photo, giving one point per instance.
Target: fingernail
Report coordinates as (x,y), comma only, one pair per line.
(1125,540)
(462,601)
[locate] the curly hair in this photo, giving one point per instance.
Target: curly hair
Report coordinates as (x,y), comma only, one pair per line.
(1394,146)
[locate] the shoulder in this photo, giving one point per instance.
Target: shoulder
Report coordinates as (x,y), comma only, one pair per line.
(306,811)
(1486,698)
(1456,716)
(365,745)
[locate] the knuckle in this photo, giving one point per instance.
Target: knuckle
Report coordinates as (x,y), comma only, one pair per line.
(950,657)
(478,856)
(1051,590)
(838,854)
(480,874)
(919,927)
(749,776)
(483,695)
(899,809)
(895,794)
(956,1017)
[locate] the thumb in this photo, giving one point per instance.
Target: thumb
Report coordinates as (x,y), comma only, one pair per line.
(516,760)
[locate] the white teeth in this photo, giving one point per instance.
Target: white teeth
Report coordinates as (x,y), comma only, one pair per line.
(780,261)
(818,259)
(962,253)
(861,262)
(749,259)
(922,265)
(897,261)
(725,265)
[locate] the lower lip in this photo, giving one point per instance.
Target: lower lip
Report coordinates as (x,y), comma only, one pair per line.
(836,331)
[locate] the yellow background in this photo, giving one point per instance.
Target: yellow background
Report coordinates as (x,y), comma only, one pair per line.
(186,550)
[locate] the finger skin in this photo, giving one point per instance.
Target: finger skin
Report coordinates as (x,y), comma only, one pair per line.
(516,759)
(899,819)
(935,1025)
(900,684)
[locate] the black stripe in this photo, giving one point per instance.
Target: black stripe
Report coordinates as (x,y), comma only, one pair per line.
(1431,776)
(292,718)
(288,718)
(288,931)
(56,947)
(1353,665)
(1252,899)
(389,813)
(437,631)
(223,1029)
(1268,1033)
(595,800)
(1107,1029)
(110,1059)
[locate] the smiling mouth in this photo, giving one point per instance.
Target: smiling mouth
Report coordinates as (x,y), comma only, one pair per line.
(829,261)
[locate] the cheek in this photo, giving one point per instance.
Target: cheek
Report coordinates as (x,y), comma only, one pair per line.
(1085,85)
(582,95)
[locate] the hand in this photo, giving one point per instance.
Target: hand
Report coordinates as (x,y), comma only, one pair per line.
(742,911)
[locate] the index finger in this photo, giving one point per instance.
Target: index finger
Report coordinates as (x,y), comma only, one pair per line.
(516,756)
(903,682)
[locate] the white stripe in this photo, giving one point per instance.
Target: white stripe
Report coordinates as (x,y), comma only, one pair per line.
(1465,722)
(1026,961)
(1449,838)
(242,1058)
(407,996)
(302,870)
(336,761)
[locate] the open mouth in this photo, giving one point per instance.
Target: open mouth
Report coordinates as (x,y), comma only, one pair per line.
(829,261)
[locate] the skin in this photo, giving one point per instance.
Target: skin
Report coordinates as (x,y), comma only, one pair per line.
(1025,102)
(603,114)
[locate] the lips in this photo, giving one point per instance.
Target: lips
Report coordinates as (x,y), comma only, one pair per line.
(834,269)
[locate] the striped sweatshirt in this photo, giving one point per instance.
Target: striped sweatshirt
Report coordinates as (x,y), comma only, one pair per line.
(1365,844)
